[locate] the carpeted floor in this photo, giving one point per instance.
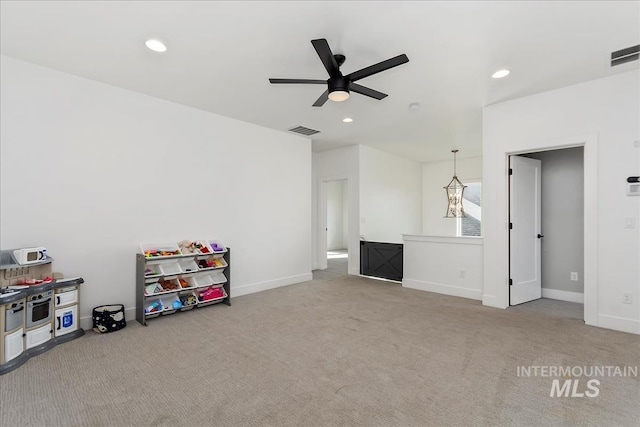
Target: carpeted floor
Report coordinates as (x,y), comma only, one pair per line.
(337,351)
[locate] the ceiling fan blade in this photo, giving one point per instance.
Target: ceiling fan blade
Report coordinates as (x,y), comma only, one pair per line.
(376,68)
(323,98)
(326,56)
(298,81)
(362,90)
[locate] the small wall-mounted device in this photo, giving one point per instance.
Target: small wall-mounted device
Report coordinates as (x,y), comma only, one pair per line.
(633,186)
(30,255)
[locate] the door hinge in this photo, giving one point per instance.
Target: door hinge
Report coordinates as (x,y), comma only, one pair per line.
(510,226)
(510,171)
(510,282)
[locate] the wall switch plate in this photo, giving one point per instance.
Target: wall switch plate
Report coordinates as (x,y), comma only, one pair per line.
(626,298)
(574,276)
(463,274)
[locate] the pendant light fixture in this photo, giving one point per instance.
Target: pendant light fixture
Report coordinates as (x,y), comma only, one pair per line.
(455,191)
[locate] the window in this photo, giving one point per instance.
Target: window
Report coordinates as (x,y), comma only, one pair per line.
(471,225)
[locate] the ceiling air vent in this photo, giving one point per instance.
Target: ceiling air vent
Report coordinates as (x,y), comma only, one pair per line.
(303,130)
(625,55)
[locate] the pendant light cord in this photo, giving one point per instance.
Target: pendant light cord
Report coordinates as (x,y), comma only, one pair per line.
(454,162)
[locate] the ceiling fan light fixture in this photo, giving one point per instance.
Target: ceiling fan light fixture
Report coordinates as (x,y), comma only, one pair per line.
(156,45)
(339,85)
(339,95)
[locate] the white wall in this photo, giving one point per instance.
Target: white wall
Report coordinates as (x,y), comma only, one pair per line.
(445,265)
(341,163)
(390,196)
(604,115)
(435,176)
(90,171)
(335,215)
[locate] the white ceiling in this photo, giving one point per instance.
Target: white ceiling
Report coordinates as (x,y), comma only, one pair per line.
(221,54)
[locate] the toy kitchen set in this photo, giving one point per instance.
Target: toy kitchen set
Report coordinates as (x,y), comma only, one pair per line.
(38,308)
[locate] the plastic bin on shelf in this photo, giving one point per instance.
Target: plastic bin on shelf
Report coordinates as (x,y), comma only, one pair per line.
(159,250)
(188,282)
(203,280)
(169,307)
(212,263)
(218,277)
(210,295)
(153,307)
(171,285)
(203,247)
(151,280)
(187,247)
(171,269)
(220,263)
(188,266)
(218,248)
(153,289)
(188,299)
(153,271)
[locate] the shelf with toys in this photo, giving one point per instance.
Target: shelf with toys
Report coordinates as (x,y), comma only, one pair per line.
(173,277)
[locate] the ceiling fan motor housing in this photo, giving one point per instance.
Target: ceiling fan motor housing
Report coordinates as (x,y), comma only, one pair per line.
(338,83)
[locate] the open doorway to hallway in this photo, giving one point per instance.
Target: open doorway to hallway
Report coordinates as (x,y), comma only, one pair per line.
(337,230)
(338,260)
(554,237)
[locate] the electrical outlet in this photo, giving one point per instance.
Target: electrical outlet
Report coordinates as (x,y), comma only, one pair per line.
(463,274)
(626,298)
(574,276)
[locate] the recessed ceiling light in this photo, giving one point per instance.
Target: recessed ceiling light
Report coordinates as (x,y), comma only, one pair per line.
(500,74)
(156,45)
(347,120)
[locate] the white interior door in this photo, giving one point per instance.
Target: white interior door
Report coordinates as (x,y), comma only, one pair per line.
(524,236)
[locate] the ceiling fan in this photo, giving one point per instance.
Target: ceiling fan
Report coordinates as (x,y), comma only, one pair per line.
(338,85)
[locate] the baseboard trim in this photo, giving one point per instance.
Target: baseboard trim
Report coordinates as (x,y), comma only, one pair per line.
(563,295)
(622,324)
(270,284)
(492,301)
(86,322)
(440,288)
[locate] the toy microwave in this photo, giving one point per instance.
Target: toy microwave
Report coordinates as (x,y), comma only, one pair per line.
(30,255)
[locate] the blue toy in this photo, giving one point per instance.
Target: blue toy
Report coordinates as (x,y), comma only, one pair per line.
(177,305)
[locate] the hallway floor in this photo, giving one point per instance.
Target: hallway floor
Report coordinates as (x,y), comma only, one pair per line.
(337,265)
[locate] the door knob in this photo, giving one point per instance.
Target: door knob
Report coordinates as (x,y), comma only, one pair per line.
(540,236)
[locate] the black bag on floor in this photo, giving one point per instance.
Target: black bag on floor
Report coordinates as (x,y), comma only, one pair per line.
(108,318)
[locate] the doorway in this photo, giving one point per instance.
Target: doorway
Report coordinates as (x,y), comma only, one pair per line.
(337,226)
(546,230)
